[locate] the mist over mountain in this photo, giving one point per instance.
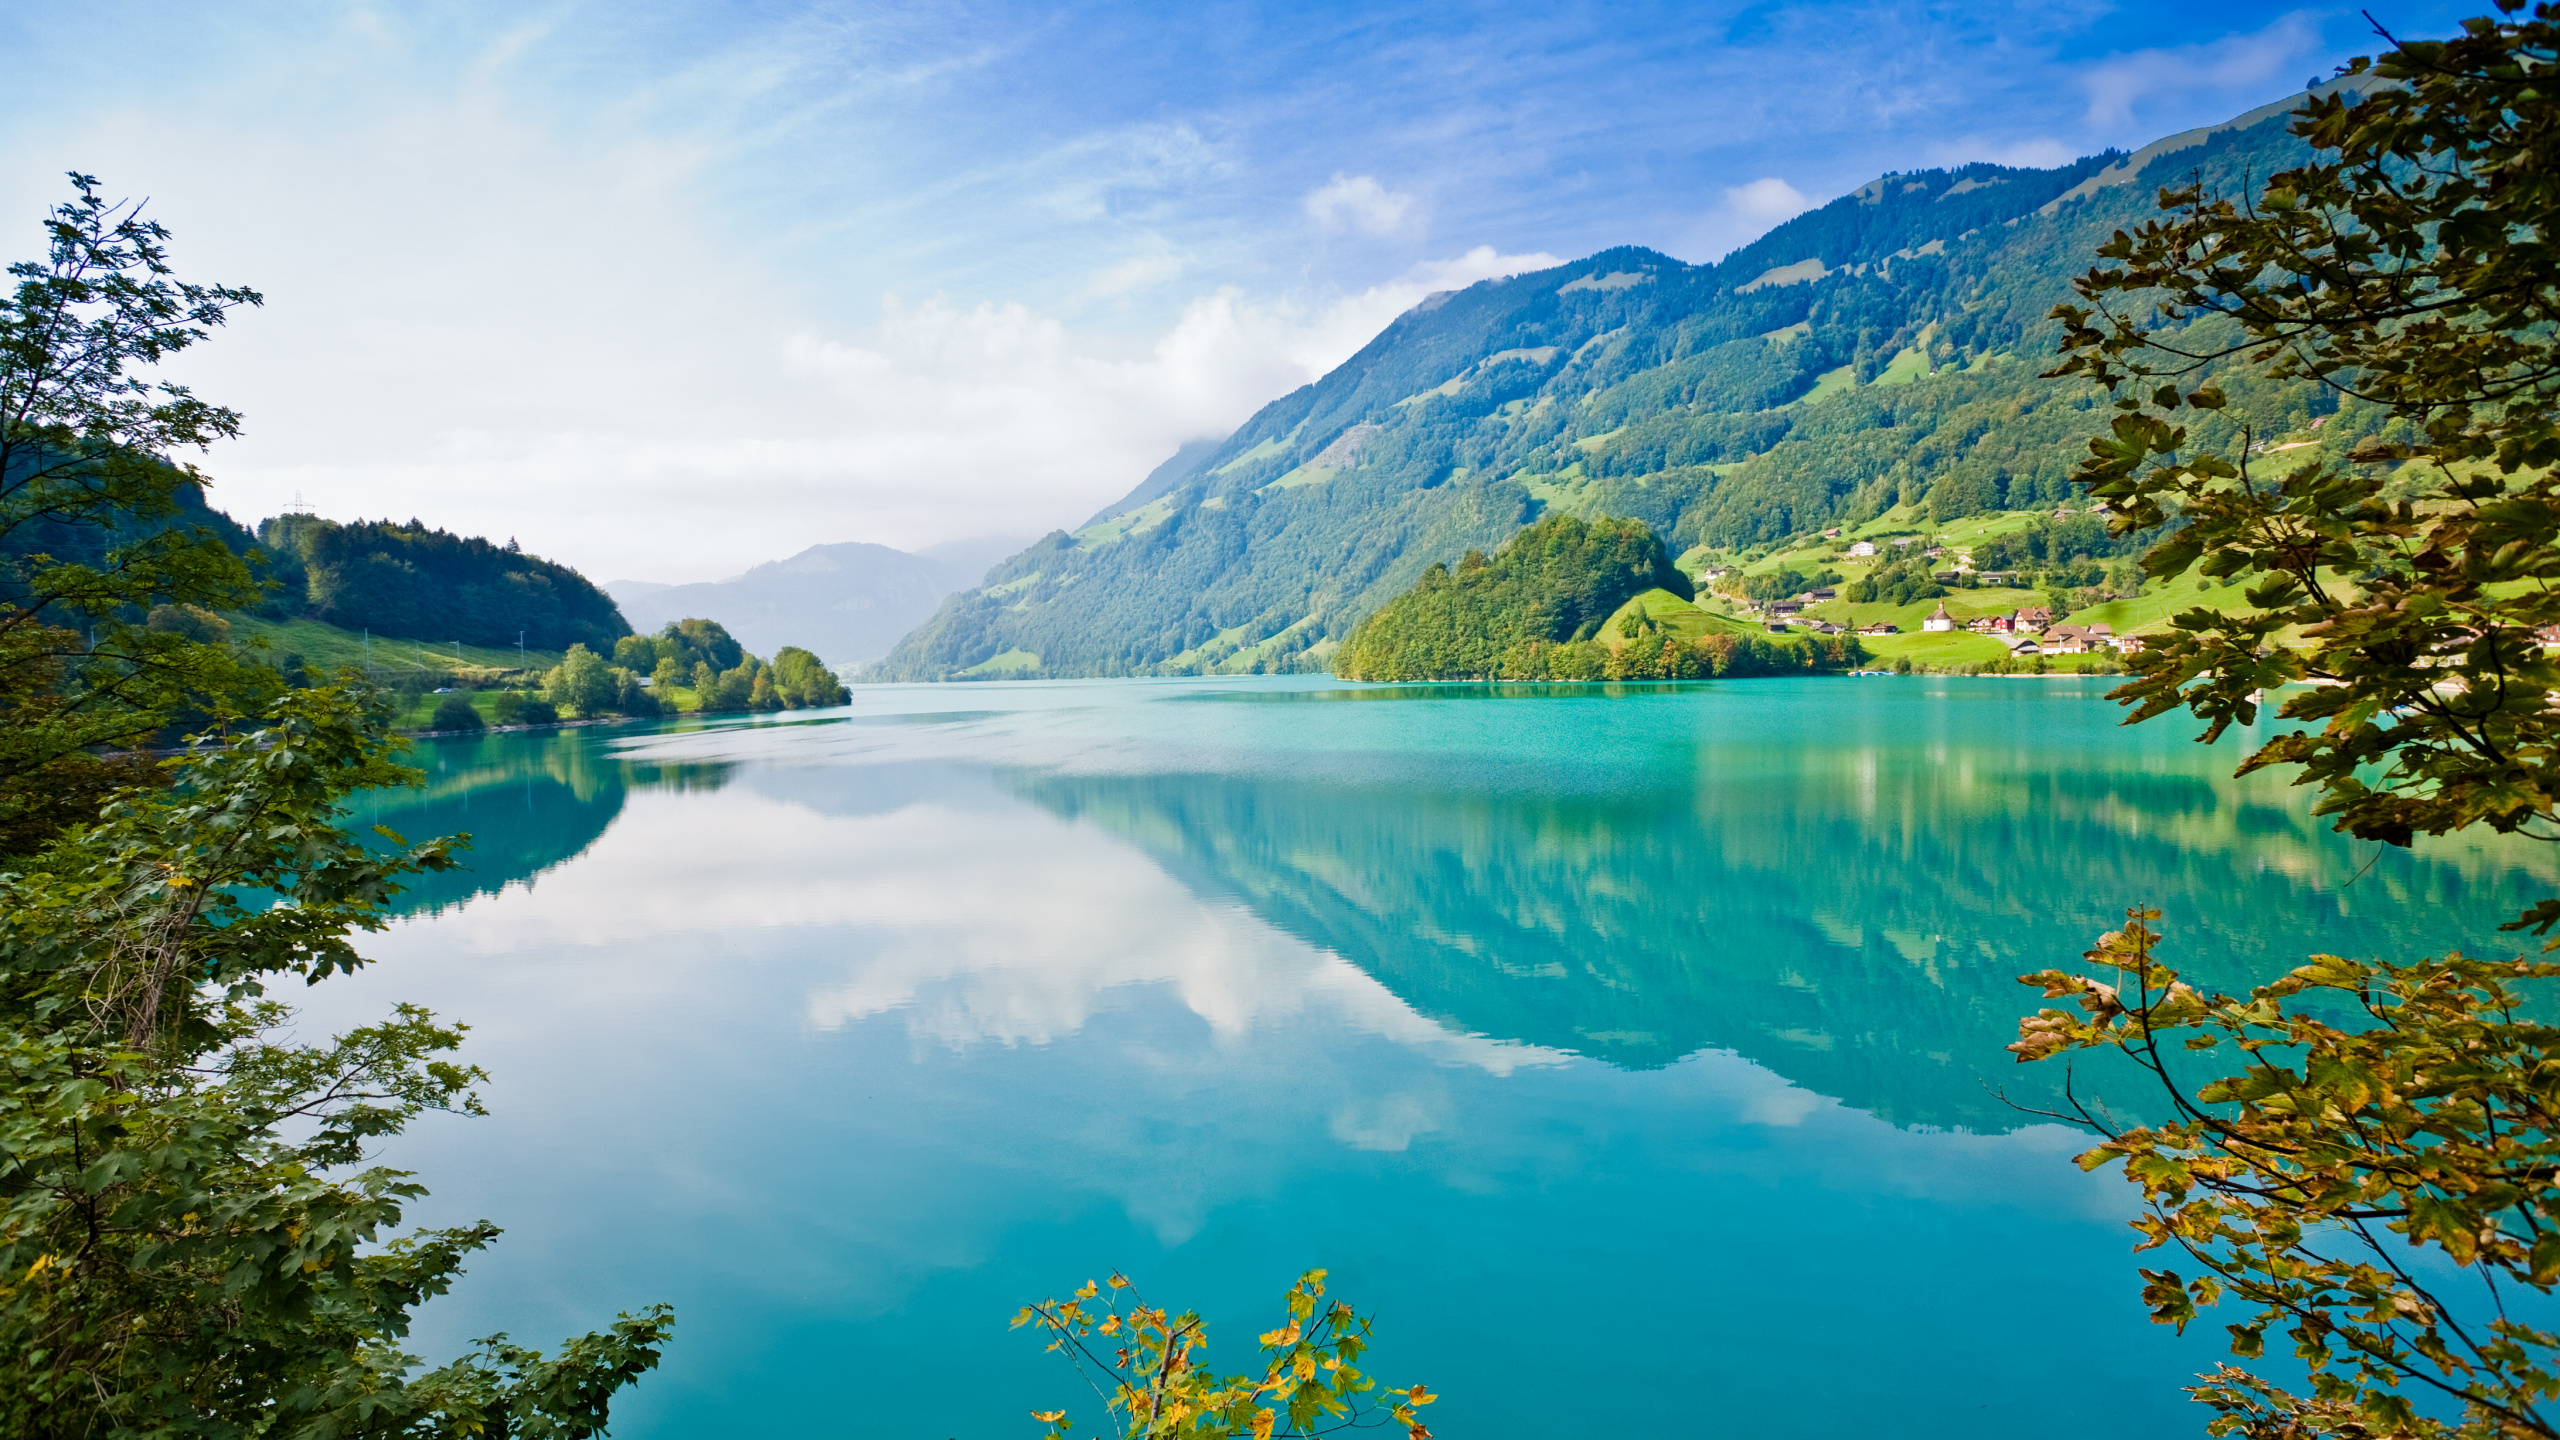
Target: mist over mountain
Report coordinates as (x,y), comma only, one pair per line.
(847,602)
(1881,351)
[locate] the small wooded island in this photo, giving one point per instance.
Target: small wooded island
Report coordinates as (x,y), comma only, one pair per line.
(1570,599)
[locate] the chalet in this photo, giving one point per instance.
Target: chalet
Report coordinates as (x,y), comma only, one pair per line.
(1880,627)
(1989,625)
(2032,617)
(1831,534)
(1862,549)
(2064,640)
(2023,644)
(2129,644)
(1782,608)
(1934,552)
(1939,619)
(1816,597)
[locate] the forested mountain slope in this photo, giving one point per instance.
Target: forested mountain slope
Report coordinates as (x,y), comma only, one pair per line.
(428,584)
(1880,351)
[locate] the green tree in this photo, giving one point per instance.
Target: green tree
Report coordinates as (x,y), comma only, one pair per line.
(1158,1386)
(192,1240)
(456,712)
(2383,1110)
(804,681)
(581,683)
(668,674)
(90,512)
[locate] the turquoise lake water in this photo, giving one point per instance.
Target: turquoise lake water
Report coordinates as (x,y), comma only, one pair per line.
(1633,1055)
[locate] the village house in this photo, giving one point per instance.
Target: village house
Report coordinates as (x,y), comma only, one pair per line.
(2128,644)
(1816,597)
(1862,550)
(2023,644)
(2032,617)
(1880,627)
(1780,609)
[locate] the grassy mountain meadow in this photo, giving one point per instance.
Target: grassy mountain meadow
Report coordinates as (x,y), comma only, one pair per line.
(1873,363)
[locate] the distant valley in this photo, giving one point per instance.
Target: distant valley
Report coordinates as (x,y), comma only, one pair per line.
(849,602)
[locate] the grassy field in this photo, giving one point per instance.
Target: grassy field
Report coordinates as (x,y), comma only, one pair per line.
(329,648)
(1682,619)
(2152,608)
(1011,662)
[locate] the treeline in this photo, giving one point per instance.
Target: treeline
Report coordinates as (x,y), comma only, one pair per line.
(1555,584)
(1661,656)
(690,667)
(415,582)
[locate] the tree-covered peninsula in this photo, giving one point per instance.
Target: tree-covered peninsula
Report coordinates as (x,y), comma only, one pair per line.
(1543,609)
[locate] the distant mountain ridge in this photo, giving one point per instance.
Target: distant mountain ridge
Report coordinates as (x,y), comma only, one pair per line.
(1880,351)
(847,602)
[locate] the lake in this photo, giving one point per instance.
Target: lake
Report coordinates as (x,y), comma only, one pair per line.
(1632,1054)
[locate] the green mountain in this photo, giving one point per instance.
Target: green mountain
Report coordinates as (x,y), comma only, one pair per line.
(1880,352)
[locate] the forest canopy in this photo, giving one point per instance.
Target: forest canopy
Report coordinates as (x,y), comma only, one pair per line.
(416,582)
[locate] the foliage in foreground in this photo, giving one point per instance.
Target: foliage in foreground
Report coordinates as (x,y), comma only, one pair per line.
(95,525)
(2412,266)
(2387,1197)
(2303,1184)
(1158,1386)
(191,1241)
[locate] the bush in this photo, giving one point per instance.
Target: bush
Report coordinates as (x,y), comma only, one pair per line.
(514,707)
(192,622)
(456,712)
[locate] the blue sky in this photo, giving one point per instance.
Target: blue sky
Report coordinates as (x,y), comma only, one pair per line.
(667,289)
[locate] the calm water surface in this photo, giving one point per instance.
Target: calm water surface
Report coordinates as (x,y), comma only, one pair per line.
(1633,1056)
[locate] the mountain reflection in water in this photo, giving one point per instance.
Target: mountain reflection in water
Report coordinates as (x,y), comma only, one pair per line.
(529,800)
(1848,905)
(1680,1006)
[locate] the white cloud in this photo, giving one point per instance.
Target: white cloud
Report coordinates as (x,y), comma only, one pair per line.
(1767,199)
(1359,202)
(2276,56)
(1748,211)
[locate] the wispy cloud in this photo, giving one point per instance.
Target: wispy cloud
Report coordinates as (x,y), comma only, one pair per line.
(1359,202)
(2273,58)
(612,280)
